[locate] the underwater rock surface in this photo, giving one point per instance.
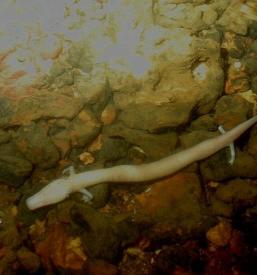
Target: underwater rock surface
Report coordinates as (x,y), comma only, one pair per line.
(128,82)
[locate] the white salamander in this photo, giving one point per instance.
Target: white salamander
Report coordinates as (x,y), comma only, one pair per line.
(60,189)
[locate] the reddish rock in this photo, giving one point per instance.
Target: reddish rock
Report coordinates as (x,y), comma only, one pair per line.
(173,204)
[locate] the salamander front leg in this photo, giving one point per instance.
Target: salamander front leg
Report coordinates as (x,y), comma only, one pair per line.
(87,196)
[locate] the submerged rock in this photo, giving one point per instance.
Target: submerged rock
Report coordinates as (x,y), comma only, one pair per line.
(173,205)
(14,168)
(237,191)
(4,136)
(84,128)
(154,118)
(44,105)
(153,146)
(252,144)
(33,142)
(102,236)
(29,260)
(217,167)
(232,110)
(114,149)
(233,197)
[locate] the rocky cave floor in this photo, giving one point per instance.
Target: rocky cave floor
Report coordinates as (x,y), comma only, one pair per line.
(202,220)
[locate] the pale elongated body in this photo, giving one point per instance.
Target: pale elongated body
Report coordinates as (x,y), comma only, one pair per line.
(59,189)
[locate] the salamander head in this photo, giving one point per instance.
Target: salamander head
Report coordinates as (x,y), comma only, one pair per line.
(54,192)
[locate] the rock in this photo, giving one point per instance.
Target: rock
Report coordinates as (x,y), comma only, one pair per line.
(234,44)
(7,111)
(252,144)
(58,249)
(209,16)
(10,237)
(183,79)
(102,236)
(109,114)
(220,208)
(66,79)
(79,56)
(60,136)
(252,31)
(29,260)
(14,168)
(254,84)
(237,79)
(78,132)
(31,108)
(205,122)
(57,69)
(33,142)
(101,194)
(91,89)
(172,15)
(253,47)
(172,204)
(178,258)
(232,110)
(62,142)
(236,192)
(10,196)
(249,63)
(233,197)
(212,34)
(4,137)
(60,75)
(84,128)
(96,267)
(152,118)
(10,240)
(113,149)
(217,168)
(137,262)
(220,235)
(154,146)
(232,19)
(190,139)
